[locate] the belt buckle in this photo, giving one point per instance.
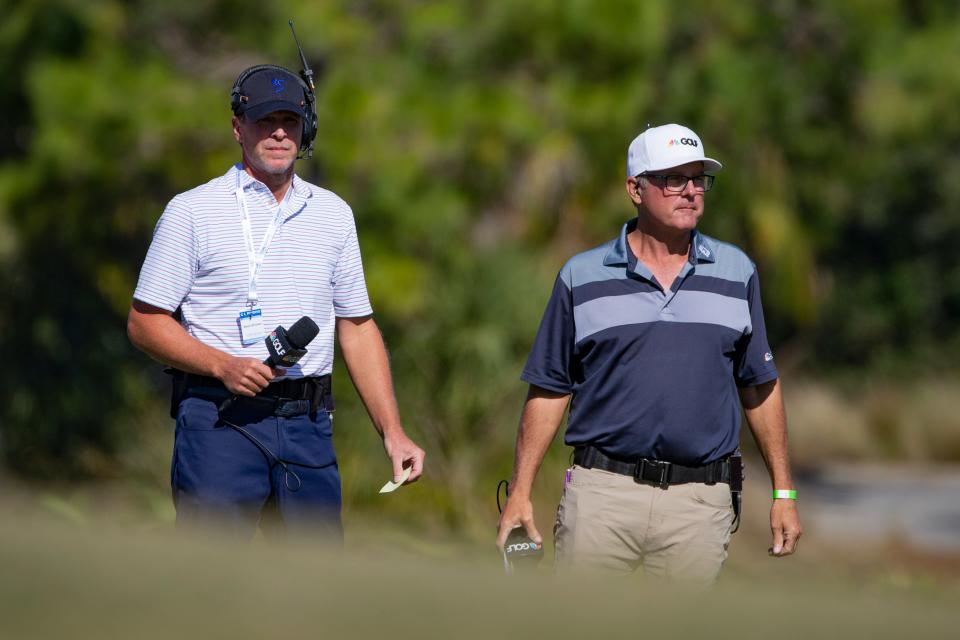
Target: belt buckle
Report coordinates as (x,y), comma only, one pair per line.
(662,465)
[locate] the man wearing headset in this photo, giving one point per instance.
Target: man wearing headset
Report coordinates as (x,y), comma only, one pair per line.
(652,335)
(251,250)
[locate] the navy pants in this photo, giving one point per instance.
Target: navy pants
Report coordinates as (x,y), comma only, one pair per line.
(222,478)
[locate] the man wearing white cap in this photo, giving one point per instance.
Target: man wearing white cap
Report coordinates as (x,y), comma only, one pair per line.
(655,339)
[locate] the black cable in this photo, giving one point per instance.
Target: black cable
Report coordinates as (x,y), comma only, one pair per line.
(737,498)
(502,483)
(287,472)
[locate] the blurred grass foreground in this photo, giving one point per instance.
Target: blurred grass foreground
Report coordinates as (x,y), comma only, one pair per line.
(63,581)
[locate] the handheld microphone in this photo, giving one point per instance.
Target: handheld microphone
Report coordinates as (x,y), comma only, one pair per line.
(519,550)
(287,347)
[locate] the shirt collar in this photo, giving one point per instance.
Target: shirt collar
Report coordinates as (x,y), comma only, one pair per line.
(618,254)
(701,248)
(237,176)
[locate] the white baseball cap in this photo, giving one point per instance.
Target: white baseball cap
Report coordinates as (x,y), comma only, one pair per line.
(665,147)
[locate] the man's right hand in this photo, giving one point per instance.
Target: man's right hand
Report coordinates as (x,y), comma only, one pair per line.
(518,512)
(246,376)
(154,331)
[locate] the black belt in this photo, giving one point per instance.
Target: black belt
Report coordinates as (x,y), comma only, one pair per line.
(313,392)
(292,388)
(658,472)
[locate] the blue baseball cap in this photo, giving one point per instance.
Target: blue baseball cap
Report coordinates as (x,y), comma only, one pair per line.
(262,90)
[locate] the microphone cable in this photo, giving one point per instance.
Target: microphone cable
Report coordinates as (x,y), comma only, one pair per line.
(506,485)
(288,473)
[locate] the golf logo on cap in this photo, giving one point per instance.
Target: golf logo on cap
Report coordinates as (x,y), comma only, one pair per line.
(277,85)
(667,146)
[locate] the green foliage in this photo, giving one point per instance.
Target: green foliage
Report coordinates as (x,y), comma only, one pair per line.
(480,144)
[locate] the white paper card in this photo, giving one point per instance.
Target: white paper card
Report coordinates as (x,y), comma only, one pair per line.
(393,486)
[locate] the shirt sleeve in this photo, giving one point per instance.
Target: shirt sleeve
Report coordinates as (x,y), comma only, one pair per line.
(170,267)
(754,358)
(549,363)
(350,299)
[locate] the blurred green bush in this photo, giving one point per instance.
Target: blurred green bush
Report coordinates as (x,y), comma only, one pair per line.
(480,144)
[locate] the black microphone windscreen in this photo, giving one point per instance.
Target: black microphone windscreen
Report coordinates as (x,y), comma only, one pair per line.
(302,332)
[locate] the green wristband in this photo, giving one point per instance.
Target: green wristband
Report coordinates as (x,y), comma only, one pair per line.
(784,494)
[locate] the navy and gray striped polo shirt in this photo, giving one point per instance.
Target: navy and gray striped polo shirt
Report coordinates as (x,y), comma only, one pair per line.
(654,373)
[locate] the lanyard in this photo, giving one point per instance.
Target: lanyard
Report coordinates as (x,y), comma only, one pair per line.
(255,257)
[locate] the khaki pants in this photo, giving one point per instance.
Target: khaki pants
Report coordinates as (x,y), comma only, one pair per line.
(608,522)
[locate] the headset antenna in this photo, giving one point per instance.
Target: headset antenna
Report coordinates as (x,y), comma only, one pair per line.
(307,72)
(307,75)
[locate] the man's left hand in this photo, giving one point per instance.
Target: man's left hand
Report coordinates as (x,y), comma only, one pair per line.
(403,453)
(785,525)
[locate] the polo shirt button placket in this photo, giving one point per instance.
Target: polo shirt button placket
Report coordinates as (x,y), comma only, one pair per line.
(668,296)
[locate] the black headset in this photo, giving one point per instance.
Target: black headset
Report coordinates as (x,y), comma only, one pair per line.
(308,114)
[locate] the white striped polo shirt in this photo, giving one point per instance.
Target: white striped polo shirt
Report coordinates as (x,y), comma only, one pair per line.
(198,261)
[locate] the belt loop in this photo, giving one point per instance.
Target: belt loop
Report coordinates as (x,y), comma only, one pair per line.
(713,472)
(665,474)
(586,460)
(587,456)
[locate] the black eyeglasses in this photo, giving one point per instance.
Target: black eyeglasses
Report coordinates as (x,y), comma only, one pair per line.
(676,182)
